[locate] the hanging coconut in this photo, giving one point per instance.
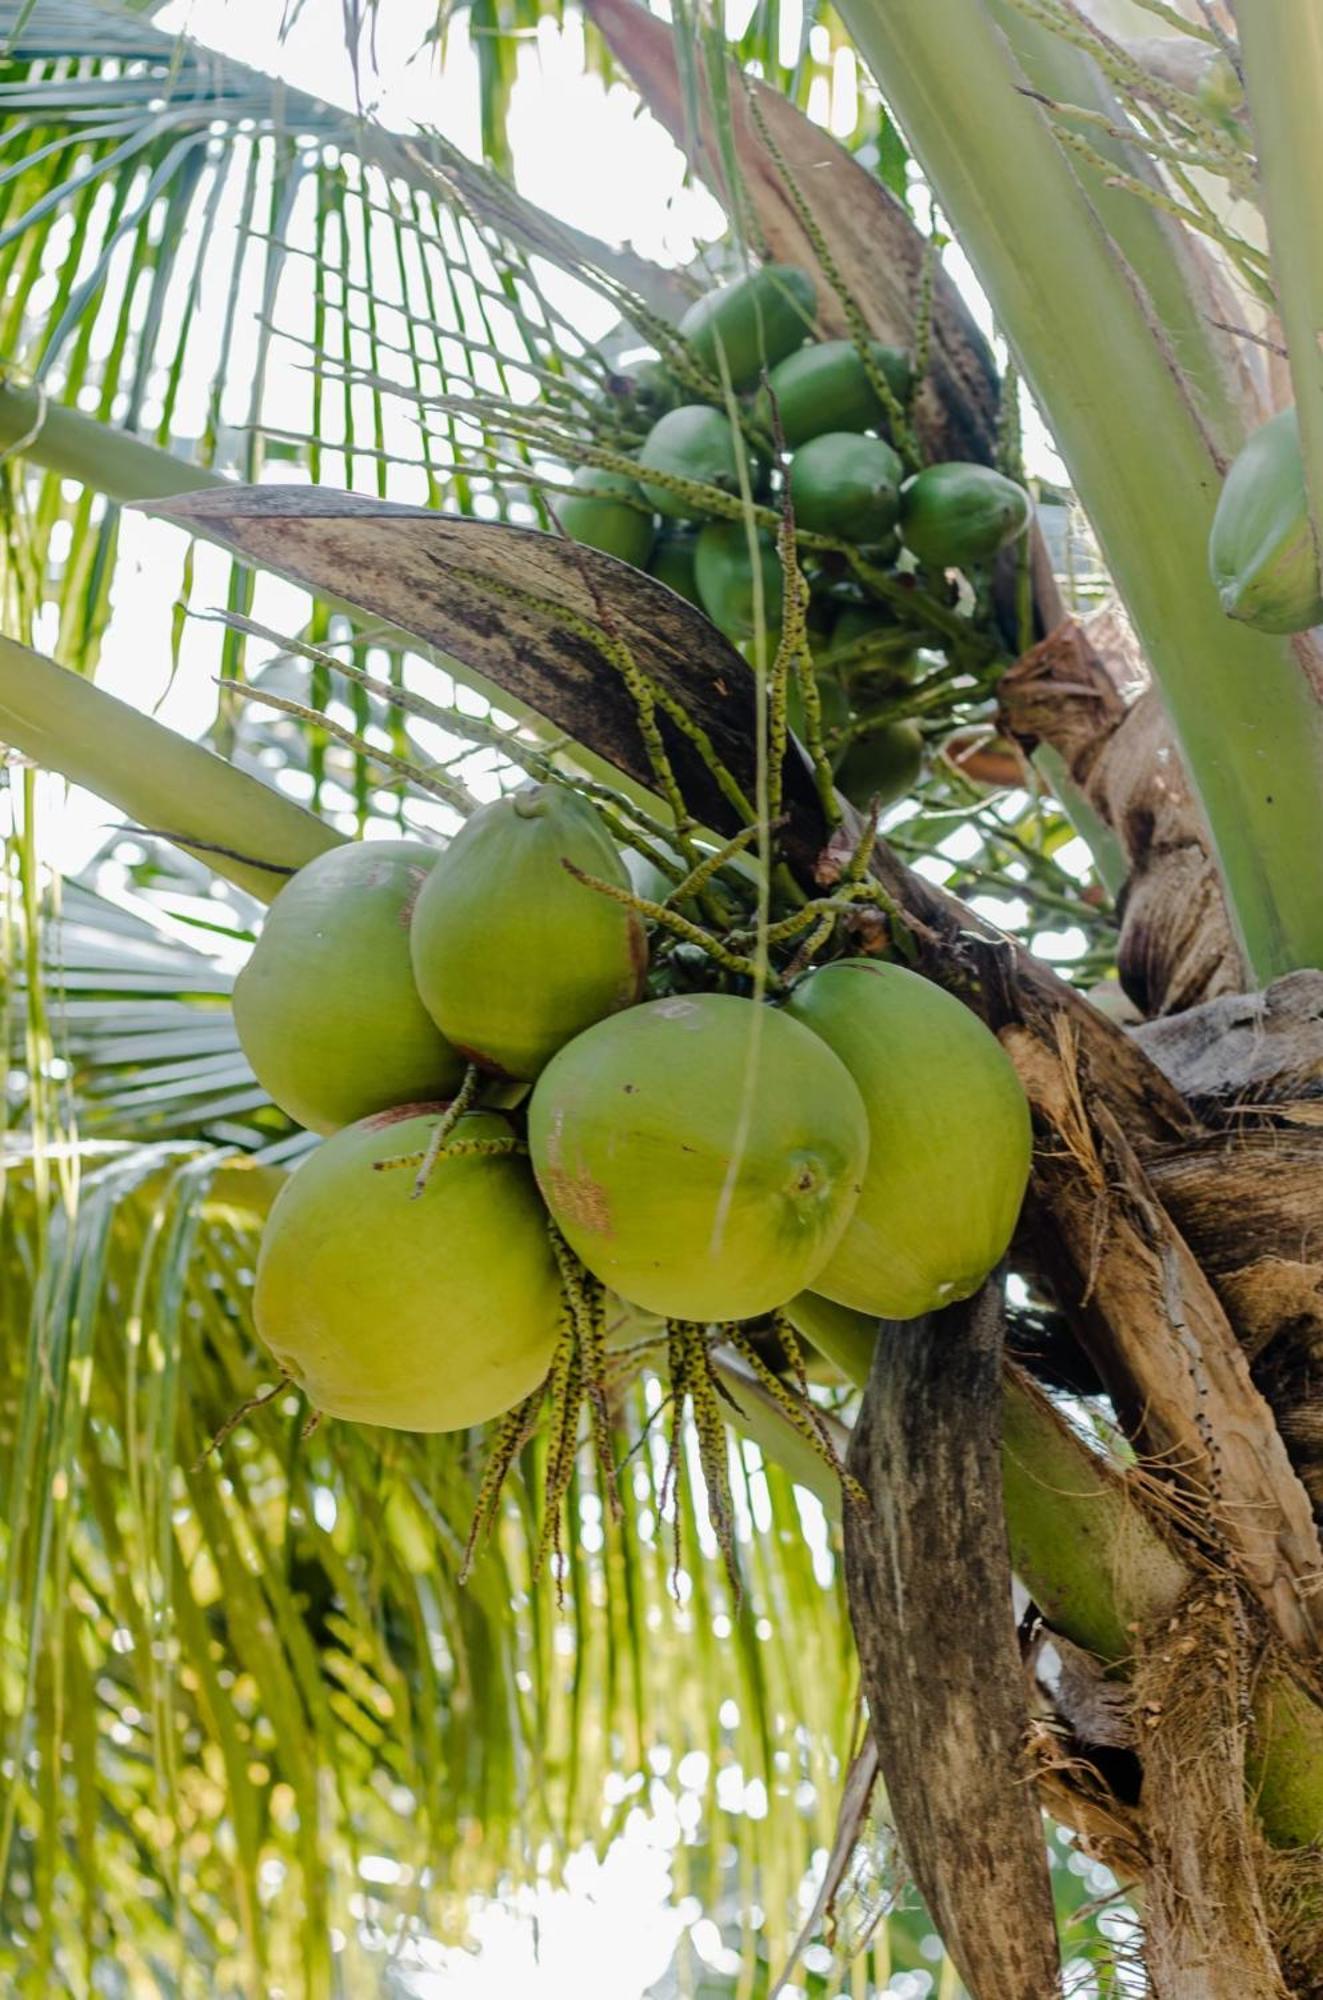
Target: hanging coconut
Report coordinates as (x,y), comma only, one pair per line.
(845,484)
(698,444)
(883,765)
(827,387)
(754,322)
(425,1315)
(512,954)
(326,1009)
(1261,553)
(607,511)
(954,515)
(699,1154)
(949,1138)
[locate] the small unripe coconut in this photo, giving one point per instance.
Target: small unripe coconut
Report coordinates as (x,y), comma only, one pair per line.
(754,322)
(326,1009)
(883,765)
(949,1138)
(728,585)
(1261,553)
(699,1154)
(607,511)
(848,485)
(953,515)
(699,444)
(424,1315)
(512,954)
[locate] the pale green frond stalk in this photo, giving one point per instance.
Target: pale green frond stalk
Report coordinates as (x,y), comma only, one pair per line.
(244,830)
(1249,727)
(1282,47)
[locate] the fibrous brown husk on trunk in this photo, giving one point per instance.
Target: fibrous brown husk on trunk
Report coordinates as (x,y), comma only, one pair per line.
(1176,946)
(1206,1927)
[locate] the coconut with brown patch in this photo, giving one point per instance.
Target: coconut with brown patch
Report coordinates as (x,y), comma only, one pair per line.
(701,1155)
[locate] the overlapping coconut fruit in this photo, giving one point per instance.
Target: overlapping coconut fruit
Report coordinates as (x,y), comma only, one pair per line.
(953,515)
(698,444)
(326,1008)
(512,954)
(673,562)
(949,1138)
(424,1315)
(1261,553)
(827,387)
(701,1154)
(846,485)
(730,589)
(883,765)
(607,511)
(753,323)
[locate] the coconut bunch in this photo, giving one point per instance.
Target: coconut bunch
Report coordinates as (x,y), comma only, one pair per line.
(748,410)
(552,1103)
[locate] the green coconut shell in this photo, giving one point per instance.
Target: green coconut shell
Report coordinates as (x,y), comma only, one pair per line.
(725,577)
(754,322)
(846,485)
(884,765)
(949,1138)
(696,443)
(607,511)
(826,387)
(884,650)
(509,948)
(673,563)
(699,1155)
(953,515)
(326,1008)
(1261,553)
(426,1315)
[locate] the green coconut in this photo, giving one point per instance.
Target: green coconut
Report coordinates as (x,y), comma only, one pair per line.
(826,387)
(949,1138)
(754,322)
(607,511)
(426,1315)
(880,647)
(326,1008)
(883,765)
(846,485)
(1261,553)
(509,948)
(672,563)
(699,444)
(725,576)
(953,515)
(699,1154)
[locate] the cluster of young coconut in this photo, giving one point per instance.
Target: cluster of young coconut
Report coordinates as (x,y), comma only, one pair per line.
(554,1105)
(751,407)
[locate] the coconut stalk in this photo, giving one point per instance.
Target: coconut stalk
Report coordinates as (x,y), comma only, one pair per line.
(245,831)
(1248,725)
(1281,45)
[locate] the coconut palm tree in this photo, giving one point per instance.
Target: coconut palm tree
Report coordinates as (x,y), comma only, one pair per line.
(269,1722)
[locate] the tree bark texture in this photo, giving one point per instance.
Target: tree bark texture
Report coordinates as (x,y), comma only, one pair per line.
(929,1581)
